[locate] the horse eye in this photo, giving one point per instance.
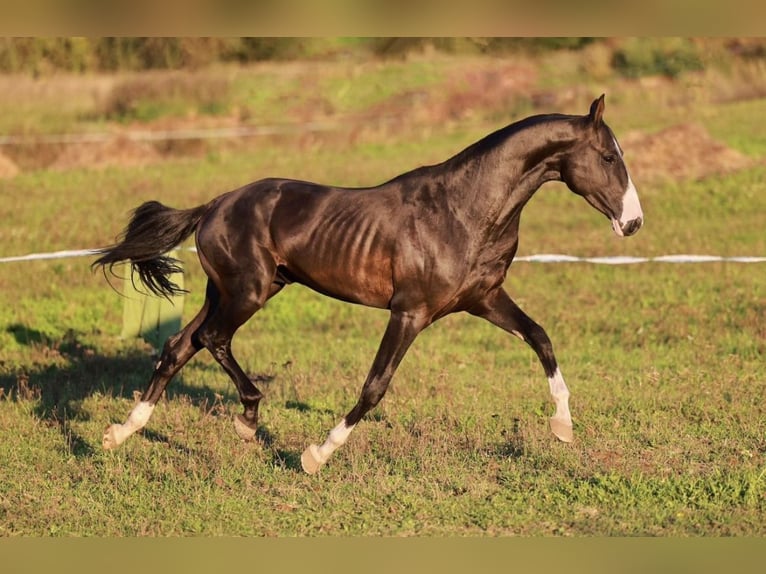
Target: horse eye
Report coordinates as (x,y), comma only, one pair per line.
(609,158)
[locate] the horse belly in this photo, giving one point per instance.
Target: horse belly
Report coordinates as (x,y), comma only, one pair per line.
(352,263)
(365,282)
(337,242)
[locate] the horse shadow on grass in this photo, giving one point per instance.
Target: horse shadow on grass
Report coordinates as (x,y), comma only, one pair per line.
(61,389)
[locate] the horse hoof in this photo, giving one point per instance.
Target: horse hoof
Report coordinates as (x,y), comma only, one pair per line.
(109,441)
(562,430)
(244,432)
(310,460)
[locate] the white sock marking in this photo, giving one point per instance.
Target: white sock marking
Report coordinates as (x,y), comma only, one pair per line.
(337,437)
(137,420)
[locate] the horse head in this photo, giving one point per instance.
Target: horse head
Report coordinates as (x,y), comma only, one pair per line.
(595,170)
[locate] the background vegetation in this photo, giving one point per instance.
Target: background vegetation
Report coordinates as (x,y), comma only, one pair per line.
(665,362)
(631,57)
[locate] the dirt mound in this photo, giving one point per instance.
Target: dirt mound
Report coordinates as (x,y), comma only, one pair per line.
(8,168)
(465,92)
(120,152)
(681,152)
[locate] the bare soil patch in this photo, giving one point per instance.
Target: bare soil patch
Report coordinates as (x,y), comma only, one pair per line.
(467,92)
(8,167)
(681,152)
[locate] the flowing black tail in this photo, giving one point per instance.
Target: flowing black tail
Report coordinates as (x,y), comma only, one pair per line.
(154,229)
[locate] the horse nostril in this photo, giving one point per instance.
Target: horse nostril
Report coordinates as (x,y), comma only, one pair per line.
(632,226)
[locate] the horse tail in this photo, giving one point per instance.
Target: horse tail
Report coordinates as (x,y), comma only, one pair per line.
(153,230)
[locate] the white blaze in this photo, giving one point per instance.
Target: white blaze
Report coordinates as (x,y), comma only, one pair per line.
(631,207)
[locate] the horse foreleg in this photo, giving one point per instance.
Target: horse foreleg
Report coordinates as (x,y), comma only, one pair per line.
(500,310)
(400,333)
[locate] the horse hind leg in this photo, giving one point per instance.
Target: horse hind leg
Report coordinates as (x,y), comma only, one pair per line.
(219,345)
(176,352)
(216,335)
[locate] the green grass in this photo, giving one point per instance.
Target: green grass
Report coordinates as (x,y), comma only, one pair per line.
(735,124)
(664,362)
(667,399)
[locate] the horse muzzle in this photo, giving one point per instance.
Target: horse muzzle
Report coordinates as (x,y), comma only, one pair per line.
(628,228)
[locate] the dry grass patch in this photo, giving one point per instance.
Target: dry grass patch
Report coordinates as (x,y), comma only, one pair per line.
(119,151)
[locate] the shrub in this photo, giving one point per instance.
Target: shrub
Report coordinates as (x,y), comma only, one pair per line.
(258,49)
(38,55)
(134,54)
(148,96)
(656,56)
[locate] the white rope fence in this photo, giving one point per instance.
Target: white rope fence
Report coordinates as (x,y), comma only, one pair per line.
(627,259)
(539,258)
(52,255)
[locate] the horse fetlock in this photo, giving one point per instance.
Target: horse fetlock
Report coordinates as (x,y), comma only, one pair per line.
(315,456)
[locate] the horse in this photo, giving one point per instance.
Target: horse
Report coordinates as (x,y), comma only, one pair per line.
(436,240)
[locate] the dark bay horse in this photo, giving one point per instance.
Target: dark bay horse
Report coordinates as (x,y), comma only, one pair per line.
(433,241)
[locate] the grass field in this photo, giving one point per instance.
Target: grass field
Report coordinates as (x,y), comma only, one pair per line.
(665,362)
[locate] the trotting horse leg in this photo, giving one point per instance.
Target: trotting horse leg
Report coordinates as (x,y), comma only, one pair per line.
(400,333)
(500,310)
(177,351)
(216,334)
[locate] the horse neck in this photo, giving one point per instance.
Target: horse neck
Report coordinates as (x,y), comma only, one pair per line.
(498,174)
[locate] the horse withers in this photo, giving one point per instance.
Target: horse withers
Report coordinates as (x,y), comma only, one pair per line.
(433,241)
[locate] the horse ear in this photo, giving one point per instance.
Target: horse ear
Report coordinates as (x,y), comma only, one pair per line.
(596,111)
